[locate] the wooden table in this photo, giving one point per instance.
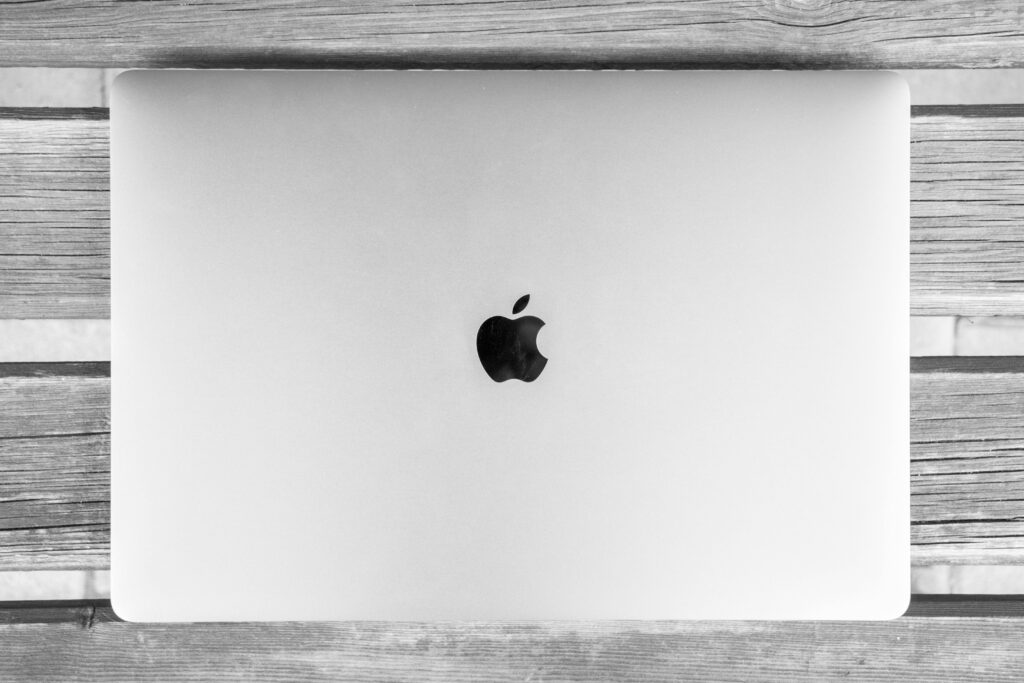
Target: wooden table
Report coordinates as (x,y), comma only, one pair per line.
(967,258)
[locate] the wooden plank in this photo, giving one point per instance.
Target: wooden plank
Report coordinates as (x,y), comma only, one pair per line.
(939,640)
(524,33)
(967,210)
(54,214)
(54,465)
(967,463)
(967,206)
(967,460)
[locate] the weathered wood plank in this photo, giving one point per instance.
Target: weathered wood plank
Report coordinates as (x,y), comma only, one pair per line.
(54,465)
(967,210)
(967,459)
(515,33)
(967,205)
(967,463)
(54,214)
(939,640)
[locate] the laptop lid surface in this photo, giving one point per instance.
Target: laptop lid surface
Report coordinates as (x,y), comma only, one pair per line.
(310,271)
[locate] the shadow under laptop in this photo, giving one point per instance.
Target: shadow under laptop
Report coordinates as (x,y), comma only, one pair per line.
(624,56)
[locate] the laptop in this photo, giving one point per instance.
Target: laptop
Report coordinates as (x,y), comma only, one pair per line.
(509,345)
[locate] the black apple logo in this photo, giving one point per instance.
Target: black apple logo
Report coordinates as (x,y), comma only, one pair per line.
(508,348)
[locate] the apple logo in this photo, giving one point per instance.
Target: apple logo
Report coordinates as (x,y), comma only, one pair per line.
(508,348)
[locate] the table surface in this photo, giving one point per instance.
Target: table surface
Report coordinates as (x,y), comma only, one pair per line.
(861,34)
(967,251)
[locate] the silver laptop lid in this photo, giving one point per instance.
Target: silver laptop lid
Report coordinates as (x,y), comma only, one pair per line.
(306,427)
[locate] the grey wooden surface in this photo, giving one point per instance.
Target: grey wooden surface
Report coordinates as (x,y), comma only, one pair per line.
(705,33)
(54,429)
(967,207)
(54,213)
(967,463)
(963,639)
(54,465)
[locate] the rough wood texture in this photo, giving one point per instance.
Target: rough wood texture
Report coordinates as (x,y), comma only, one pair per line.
(967,460)
(967,463)
(677,33)
(967,210)
(967,190)
(942,640)
(54,214)
(54,465)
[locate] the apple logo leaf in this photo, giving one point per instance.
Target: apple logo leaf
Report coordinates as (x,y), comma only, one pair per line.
(521,304)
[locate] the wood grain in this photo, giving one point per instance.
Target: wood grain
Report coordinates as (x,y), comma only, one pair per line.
(967,460)
(941,640)
(967,212)
(54,214)
(967,463)
(54,465)
(518,33)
